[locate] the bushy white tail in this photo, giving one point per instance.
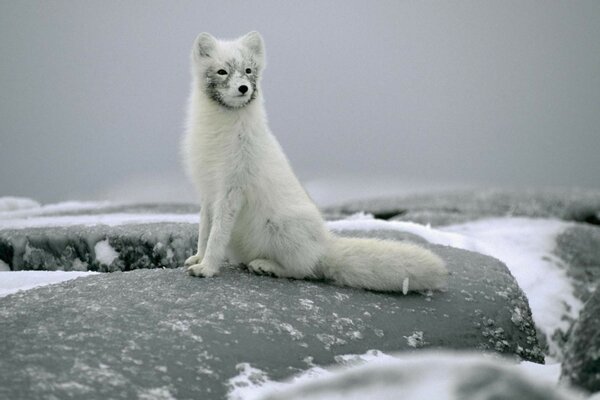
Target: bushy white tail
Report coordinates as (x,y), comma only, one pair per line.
(383,265)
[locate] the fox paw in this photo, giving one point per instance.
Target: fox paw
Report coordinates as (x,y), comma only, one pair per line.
(195,259)
(202,270)
(263,267)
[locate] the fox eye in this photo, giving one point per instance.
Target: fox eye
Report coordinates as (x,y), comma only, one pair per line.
(248,71)
(222,72)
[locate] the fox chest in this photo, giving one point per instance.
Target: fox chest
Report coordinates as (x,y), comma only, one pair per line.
(229,162)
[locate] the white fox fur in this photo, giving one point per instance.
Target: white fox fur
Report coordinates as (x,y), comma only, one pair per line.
(253,207)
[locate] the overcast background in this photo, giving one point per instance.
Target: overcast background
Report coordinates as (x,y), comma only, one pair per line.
(376,94)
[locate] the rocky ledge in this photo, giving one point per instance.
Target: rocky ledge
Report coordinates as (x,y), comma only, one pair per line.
(124,335)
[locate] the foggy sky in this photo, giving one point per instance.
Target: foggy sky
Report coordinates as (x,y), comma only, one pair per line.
(93,93)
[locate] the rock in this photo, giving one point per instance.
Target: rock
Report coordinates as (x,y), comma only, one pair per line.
(581,365)
(579,248)
(422,376)
(461,206)
(156,245)
(160,331)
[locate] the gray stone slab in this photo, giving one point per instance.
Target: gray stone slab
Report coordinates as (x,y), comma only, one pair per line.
(128,335)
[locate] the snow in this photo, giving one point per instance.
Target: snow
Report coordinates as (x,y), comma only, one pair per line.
(14,281)
(105,253)
(32,208)
(366,222)
(415,340)
(115,219)
(433,375)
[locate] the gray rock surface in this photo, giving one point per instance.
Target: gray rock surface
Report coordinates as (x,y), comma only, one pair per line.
(581,365)
(145,332)
(460,206)
(579,247)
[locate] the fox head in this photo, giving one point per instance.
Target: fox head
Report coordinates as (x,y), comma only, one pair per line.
(228,72)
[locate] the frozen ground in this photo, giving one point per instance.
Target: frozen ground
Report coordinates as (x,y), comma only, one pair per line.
(525,245)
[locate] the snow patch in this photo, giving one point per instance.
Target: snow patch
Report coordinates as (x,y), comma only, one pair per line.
(426,232)
(14,281)
(105,253)
(160,393)
(115,219)
(415,340)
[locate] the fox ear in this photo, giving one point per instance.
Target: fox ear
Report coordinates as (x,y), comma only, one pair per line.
(254,42)
(204,45)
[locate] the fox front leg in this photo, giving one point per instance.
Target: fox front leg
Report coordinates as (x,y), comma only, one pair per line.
(225,213)
(203,232)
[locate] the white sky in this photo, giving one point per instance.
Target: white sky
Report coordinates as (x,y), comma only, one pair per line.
(494,93)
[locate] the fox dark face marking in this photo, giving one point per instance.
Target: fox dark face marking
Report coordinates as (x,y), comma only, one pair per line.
(230,84)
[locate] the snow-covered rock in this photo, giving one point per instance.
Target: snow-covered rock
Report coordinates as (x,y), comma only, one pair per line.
(466,205)
(581,366)
(124,335)
(100,247)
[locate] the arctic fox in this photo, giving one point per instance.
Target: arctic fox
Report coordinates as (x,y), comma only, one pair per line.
(253,207)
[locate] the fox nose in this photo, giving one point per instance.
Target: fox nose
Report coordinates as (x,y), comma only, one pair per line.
(243,89)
